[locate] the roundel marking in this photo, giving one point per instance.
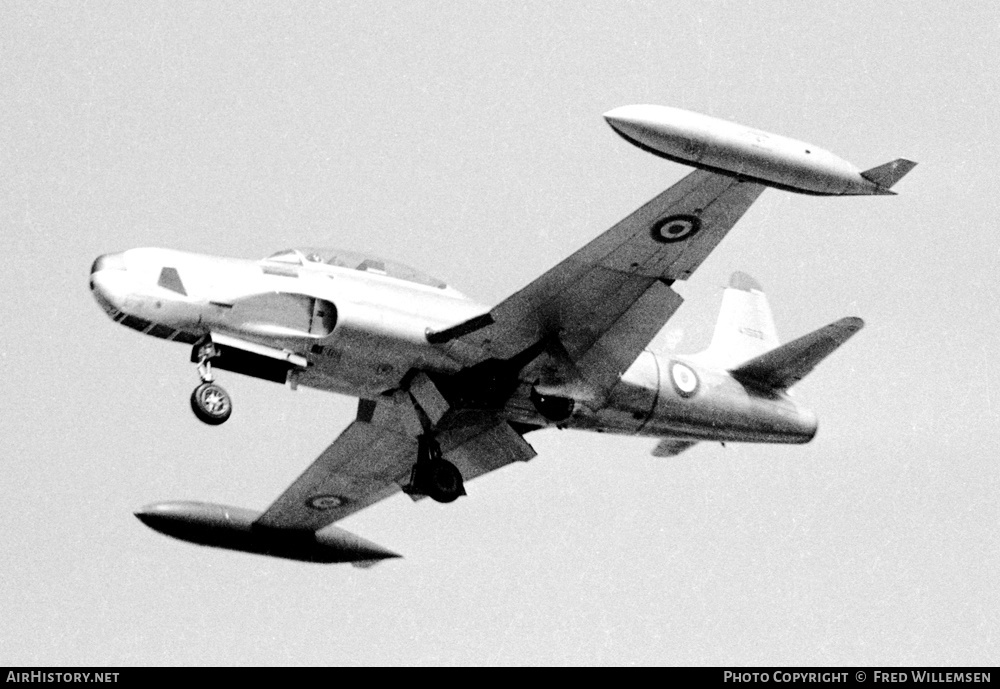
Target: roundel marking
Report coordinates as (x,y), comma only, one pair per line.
(325,502)
(675,228)
(685,380)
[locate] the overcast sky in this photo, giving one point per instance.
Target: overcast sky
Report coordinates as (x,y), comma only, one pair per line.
(467,140)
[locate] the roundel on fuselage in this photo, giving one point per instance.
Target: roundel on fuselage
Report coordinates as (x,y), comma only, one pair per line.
(684,378)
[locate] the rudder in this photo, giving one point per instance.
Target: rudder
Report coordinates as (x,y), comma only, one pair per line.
(745,327)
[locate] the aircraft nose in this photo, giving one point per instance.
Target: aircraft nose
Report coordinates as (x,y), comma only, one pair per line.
(105,274)
(108,262)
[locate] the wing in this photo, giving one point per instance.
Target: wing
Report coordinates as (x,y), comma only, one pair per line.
(598,308)
(606,301)
(369,462)
(358,469)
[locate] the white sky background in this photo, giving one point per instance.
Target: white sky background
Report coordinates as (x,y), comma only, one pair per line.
(467,139)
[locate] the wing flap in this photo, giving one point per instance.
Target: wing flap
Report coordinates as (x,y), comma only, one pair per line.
(482,449)
(587,295)
(598,300)
(612,354)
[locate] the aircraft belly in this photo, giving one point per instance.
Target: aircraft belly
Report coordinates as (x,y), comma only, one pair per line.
(664,397)
(365,364)
(633,400)
(630,403)
(711,405)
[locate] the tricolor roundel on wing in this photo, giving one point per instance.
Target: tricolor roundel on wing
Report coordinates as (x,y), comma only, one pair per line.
(675,228)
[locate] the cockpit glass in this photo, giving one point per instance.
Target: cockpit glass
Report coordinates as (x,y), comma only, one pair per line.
(288,256)
(357,261)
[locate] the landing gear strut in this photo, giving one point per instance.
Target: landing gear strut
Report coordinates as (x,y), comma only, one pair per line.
(433,475)
(209,402)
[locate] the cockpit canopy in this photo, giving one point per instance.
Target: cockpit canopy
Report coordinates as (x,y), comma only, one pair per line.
(356,261)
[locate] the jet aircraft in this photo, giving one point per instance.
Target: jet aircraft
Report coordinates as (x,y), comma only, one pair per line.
(449,388)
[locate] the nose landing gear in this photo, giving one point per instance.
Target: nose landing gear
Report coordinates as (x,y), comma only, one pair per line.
(209,402)
(433,475)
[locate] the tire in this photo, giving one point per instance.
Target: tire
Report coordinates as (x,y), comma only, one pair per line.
(211,404)
(444,481)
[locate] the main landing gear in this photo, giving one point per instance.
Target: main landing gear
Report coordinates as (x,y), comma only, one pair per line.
(209,402)
(433,475)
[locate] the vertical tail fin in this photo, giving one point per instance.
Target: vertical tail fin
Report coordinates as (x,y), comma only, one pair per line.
(745,328)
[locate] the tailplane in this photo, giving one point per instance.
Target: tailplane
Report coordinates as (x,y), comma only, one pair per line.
(887,175)
(786,365)
(745,328)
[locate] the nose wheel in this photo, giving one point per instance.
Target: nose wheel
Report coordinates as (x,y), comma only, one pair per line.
(209,401)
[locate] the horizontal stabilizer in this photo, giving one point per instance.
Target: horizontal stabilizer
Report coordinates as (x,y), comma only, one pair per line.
(786,365)
(890,173)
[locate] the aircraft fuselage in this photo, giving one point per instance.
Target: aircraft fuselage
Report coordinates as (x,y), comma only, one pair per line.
(359,331)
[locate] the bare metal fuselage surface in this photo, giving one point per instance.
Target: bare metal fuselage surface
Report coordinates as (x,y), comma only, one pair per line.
(360,332)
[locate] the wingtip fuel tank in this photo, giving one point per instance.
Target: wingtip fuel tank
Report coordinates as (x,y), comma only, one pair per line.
(722,146)
(233,528)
